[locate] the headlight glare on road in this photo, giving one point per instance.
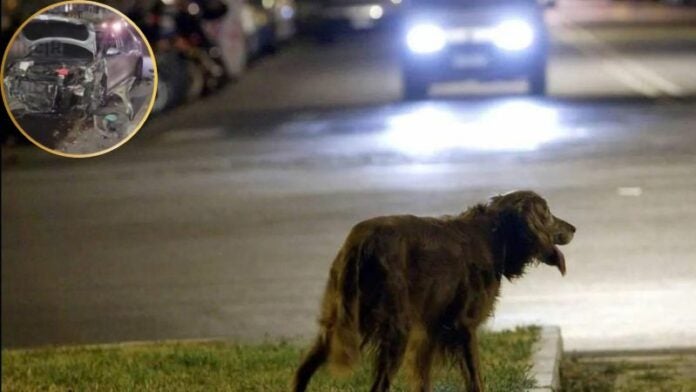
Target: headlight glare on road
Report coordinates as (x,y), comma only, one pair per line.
(494,129)
(426,38)
(513,34)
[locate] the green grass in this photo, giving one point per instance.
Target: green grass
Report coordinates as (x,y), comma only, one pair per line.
(224,366)
(664,373)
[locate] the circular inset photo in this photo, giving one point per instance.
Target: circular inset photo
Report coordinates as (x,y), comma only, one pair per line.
(78,78)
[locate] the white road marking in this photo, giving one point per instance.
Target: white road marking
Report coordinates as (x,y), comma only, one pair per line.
(629,72)
(190,135)
(629,191)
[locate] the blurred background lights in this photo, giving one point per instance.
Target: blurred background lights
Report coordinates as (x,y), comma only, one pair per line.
(287,12)
(268,4)
(376,12)
(193,9)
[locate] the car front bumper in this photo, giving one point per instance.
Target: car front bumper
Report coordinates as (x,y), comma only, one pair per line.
(27,96)
(482,62)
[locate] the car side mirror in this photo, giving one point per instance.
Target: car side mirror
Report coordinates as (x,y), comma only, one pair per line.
(112,51)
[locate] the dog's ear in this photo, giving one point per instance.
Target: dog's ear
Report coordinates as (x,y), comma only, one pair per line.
(514,245)
(522,218)
(529,212)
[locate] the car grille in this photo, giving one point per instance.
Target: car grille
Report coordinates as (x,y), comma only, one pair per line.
(37,95)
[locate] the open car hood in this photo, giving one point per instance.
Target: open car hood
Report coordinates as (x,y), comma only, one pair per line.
(89,45)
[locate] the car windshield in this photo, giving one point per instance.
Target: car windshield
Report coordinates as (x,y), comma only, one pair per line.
(50,28)
(61,50)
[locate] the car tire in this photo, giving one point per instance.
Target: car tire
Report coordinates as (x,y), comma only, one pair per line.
(163,98)
(138,71)
(414,87)
(172,80)
(537,82)
(271,46)
(196,78)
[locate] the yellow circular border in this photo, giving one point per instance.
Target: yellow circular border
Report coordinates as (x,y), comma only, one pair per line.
(137,127)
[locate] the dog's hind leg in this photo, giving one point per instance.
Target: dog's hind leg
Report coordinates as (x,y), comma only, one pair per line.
(316,357)
(469,360)
(387,362)
(420,361)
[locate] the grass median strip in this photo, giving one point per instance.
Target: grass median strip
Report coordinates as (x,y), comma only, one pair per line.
(629,373)
(225,366)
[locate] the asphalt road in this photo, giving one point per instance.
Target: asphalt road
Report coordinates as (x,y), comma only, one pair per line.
(221,218)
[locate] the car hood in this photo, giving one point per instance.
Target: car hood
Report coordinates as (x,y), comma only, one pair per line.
(90,44)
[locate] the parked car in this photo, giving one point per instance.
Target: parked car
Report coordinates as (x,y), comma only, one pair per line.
(158,23)
(324,19)
(259,29)
(681,2)
(173,83)
(445,40)
(284,13)
(198,47)
(222,23)
(63,66)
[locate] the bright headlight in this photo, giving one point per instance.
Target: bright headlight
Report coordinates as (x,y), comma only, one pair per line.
(513,34)
(426,38)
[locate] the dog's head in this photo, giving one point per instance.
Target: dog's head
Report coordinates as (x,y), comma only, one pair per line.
(529,231)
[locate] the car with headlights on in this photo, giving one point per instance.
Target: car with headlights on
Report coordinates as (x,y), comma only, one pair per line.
(446,40)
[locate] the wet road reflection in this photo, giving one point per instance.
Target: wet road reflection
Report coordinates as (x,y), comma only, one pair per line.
(508,125)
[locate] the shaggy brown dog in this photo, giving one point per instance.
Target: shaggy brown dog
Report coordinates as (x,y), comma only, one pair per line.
(414,288)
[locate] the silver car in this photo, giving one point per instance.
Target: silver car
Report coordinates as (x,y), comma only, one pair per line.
(64,64)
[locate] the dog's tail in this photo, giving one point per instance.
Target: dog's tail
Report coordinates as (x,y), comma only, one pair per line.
(341,307)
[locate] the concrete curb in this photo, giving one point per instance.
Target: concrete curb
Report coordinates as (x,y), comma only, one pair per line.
(546,356)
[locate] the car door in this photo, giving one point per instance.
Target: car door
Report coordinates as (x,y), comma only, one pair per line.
(134,52)
(120,62)
(113,63)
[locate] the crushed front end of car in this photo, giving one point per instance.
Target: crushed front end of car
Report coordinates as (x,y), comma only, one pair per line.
(41,88)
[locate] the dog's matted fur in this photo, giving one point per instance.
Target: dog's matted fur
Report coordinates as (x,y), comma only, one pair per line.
(412,288)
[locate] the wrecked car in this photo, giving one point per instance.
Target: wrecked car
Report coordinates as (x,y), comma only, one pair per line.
(66,66)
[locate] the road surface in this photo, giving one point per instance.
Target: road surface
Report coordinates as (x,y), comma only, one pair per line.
(221,218)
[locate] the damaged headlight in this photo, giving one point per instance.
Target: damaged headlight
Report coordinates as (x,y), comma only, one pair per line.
(78,90)
(23,66)
(89,75)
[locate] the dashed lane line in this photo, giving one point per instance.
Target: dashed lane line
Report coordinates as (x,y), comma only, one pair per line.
(629,72)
